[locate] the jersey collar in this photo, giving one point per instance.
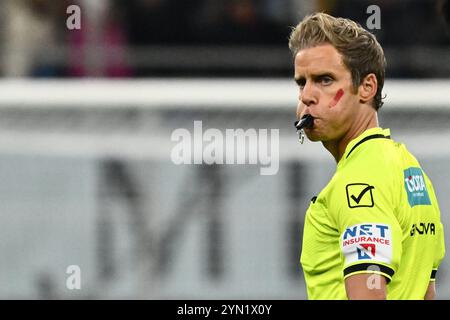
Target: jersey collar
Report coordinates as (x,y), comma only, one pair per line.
(372,133)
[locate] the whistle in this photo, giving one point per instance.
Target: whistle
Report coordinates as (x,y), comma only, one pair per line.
(306,121)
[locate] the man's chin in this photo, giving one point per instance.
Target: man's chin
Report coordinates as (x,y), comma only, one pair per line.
(313,137)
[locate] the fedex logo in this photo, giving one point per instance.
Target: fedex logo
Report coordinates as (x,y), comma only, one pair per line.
(367,242)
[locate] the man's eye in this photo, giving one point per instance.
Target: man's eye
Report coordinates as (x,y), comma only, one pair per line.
(326,80)
(301,84)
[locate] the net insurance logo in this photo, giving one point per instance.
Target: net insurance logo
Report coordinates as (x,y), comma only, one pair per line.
(367,242)
(415,187)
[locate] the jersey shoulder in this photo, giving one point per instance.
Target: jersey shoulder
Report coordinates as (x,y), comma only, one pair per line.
(382,160)
(371,176)
(375,160)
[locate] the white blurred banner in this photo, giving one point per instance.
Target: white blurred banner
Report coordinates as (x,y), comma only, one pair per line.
(86,179)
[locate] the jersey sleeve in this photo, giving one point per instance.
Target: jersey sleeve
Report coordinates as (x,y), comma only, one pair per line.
(440,251)
(370,235)
(440,239)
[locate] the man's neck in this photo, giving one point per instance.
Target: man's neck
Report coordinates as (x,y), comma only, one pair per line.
(337,147)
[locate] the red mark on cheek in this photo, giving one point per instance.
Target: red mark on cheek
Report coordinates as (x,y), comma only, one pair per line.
(336,98)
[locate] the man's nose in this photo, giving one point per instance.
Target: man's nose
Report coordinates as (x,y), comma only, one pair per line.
(307,95)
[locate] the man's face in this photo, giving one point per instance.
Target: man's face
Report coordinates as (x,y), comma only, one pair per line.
(325,92)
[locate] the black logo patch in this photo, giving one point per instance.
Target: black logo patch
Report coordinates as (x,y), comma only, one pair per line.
(423,228)
(359,195)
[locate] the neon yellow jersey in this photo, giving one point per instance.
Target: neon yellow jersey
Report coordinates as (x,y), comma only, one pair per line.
(378,214)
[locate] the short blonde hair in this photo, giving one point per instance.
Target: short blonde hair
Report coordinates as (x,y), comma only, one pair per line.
(360,50)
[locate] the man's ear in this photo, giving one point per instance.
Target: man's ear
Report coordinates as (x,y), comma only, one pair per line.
(368,88)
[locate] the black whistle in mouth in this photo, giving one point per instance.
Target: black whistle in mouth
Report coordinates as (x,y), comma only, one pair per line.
(305,122)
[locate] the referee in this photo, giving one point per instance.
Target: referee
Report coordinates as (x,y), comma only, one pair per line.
(374,232)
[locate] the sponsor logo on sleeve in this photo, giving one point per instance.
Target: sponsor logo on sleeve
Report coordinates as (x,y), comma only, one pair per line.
(423,228)
(359,195)
(416,188)
(367,242)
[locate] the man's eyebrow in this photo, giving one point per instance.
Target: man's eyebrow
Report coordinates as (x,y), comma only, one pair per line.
(323,74)
(316,76)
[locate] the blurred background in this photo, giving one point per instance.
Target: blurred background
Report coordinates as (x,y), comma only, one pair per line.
(86,119)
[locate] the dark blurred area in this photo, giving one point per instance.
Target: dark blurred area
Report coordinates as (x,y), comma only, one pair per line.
(204,38)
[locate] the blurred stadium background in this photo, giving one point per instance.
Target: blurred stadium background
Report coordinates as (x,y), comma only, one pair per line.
(86,118)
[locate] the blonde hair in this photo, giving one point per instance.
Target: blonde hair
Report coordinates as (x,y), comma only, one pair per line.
(360,50)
